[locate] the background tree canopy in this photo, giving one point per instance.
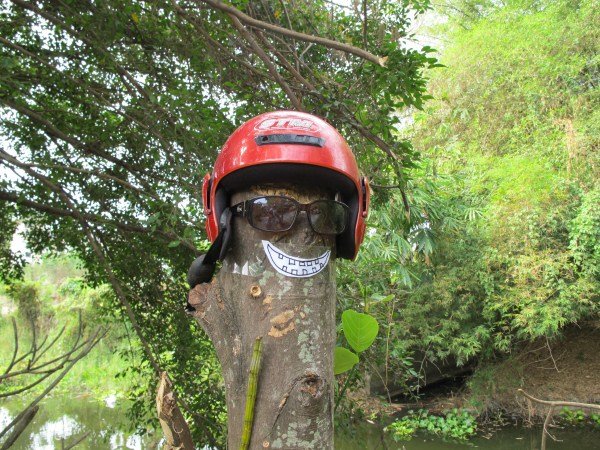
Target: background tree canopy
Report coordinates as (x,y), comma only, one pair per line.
(111,113)
(508,184)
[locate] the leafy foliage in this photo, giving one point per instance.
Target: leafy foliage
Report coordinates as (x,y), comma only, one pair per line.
(11,265)
(577,417)
(501,243)
(343,360)
(360,331)
(519,138)
(26,297)
(457,424)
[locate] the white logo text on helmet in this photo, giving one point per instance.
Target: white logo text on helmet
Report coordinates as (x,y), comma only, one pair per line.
(287,123)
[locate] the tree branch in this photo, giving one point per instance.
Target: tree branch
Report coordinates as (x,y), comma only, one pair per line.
(223,52)
(61,212)
(232,11)
(95,93)
(270,66)
(285,63)
(92,341)
(554,404)
(20,427)
(16,350)
(559,402)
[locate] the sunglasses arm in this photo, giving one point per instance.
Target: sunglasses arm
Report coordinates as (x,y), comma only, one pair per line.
(239,210)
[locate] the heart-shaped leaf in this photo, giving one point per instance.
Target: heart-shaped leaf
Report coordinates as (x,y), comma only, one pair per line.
(360,329)
(343,360)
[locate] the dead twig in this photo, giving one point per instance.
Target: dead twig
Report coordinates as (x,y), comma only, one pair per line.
(553,405)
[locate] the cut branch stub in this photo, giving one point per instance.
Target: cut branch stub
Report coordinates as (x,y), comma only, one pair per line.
(292,311)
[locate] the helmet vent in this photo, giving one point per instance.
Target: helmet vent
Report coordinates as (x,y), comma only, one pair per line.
(298,139)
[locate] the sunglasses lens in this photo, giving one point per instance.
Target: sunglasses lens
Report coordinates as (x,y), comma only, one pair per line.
(328,217)
(273,213)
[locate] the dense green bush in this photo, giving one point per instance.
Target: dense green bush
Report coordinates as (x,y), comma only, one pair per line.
(502,243)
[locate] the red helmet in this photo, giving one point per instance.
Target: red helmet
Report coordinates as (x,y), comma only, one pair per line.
(291,147)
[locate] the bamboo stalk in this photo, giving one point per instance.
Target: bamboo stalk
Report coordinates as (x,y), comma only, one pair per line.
(251,393)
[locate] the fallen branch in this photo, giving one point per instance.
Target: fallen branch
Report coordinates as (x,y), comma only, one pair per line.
(553,405)
(20,426)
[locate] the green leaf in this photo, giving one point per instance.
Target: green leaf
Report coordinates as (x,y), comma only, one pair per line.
(360,329)
(378,298)
(174,244)
(343,360)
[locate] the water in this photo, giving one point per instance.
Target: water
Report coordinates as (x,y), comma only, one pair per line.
(510,438)
(60,421)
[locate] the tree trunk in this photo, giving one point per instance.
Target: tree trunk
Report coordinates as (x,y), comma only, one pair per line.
(295,316)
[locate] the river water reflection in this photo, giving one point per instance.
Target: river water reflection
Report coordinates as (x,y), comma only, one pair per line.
(61,421)
(509,438)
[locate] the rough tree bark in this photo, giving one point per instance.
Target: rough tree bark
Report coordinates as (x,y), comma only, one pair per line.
(248,298)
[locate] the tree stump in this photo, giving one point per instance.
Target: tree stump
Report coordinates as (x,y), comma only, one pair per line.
(250,297)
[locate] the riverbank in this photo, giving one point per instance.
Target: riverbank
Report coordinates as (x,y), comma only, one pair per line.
(563,369)
(567,368)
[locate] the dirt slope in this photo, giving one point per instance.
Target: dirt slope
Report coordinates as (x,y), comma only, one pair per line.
(564,369)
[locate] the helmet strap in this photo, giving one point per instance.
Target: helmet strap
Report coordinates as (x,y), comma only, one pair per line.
(219,247)
(203,268)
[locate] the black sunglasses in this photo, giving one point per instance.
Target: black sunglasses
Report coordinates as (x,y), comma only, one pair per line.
(278,213)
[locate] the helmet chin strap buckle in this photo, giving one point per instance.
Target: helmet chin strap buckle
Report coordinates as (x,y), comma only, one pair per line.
(203,268)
